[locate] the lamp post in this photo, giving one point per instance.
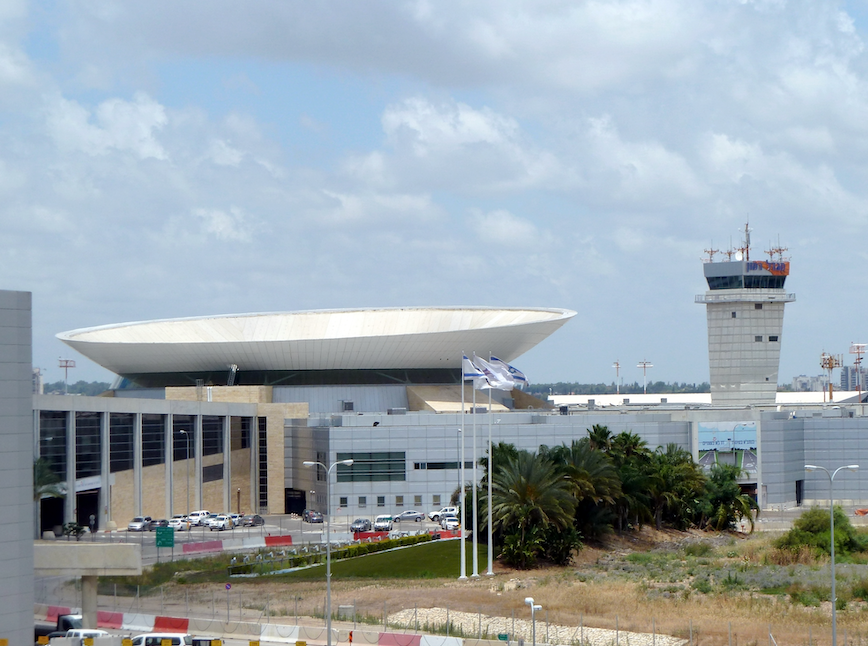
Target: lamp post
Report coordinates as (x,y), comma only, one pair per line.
(533,609)
(849,467)
(328,470)
(187,435)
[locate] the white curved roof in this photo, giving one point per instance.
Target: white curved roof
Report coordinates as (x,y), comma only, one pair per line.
(424,337)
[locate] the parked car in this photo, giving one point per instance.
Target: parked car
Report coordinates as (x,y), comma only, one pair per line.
(252,520)
(383,523)
(436,515)
(311,516)
(210,518)
(361,525)
(197,517)
(156,639)
(161,522)
(179,523)
(236,519)
(139,524)
(449,521)
(221,522)
(410,514)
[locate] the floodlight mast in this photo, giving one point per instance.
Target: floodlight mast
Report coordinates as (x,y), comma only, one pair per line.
(328,470)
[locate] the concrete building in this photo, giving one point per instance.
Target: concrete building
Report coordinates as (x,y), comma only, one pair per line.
(16,469)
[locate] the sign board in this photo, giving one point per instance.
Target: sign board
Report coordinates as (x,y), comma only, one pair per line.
(504,637)
(165,536)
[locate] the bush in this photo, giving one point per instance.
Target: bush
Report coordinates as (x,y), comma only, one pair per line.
(812,530)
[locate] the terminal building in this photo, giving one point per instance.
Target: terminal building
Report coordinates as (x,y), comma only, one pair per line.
(221,412)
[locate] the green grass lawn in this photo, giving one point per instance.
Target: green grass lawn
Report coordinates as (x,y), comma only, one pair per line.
(430,560)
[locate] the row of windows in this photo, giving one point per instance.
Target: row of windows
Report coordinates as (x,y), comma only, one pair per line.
(343,501)
(749,282)
(380,466)
(440,466)
(759,338)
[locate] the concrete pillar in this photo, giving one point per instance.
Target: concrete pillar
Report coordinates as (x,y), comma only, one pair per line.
(104,472)
(228,489)
(69,503)
(88,601)
(197,467)
(169,435)
(137,463)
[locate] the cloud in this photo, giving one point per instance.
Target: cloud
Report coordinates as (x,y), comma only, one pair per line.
(224,225)
(504,229)
(121,125)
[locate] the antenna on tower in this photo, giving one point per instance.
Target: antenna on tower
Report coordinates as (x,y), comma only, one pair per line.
(711,251)
(830,362)
(778,251)
(858,349)
(745,248)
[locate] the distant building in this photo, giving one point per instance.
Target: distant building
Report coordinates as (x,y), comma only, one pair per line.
(806,384)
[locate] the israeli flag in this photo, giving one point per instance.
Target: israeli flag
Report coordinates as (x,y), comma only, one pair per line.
(517,375)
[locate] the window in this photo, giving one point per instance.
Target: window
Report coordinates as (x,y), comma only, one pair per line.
(758,338)
(381,501)
(212,473)
(363,500)
(436,500)
(757,306)
(320,472)
(417,501)
(342,502)
(347,406)
(773,339)
(733,315)
(380,466)
(399,501)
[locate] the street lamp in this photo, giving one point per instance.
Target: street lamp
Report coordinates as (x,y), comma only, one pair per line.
(533,609)
(187,435)
(328,470)
(849,467)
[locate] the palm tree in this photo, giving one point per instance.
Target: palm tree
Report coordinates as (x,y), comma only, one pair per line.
(676,482)
(728,505)
(529,495)
(600,438)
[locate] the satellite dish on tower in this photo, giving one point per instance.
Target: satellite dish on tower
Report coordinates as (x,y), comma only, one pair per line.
(738,255)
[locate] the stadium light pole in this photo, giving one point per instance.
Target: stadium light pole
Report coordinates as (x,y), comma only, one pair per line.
(533,609)
(831,475)
(328,470)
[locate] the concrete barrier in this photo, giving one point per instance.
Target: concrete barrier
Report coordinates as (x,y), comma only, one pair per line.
(441,640)
(238,630)
(142,623)
(171,624)
(399,639)
(359,637)
(105,619)
(278,540)
(313,634)
(279,633)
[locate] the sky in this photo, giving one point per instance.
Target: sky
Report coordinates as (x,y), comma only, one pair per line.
(165,159)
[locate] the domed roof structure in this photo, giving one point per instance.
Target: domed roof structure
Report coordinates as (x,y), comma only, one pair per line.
(362,339)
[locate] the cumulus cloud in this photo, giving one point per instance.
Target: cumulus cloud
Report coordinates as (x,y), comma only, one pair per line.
(503,228)
(120,125)
(224,225)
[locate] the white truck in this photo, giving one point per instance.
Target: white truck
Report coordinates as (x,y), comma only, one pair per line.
(436,515)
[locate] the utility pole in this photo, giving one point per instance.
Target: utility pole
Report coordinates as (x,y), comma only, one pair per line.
(617,367)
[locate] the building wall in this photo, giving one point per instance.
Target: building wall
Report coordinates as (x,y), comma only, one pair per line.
(743,370)
(16,469)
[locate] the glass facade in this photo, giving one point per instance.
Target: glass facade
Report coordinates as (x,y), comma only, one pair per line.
(381,466)
(87,444)
(52,441)
(749,282)
(154,439)
(121,426)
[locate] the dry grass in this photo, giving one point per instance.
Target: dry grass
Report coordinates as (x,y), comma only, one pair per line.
(604,588)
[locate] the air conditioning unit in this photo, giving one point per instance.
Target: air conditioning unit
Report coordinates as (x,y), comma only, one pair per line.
(396,411)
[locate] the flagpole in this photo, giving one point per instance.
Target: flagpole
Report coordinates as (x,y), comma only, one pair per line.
(490,460)
(475,574)
(461,473)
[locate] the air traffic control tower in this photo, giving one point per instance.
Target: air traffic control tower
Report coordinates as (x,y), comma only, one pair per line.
(745,309)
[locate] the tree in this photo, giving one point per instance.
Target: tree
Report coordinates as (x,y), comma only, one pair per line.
(600,438)
(727,504)
(630,455)
(675,485)
(529,495)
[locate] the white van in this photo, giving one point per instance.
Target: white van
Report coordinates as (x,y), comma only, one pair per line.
(196,517)
(78,635)
(156,639)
